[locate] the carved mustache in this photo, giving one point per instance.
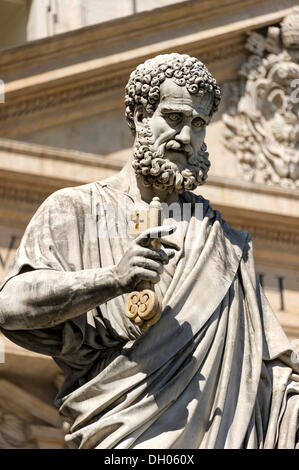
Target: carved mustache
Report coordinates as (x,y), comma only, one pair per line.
(175,145)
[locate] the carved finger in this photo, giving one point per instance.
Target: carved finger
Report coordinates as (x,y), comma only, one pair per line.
(146,237)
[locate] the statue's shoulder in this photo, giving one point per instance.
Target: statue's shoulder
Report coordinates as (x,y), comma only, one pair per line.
(67,204)
(84,198)
(196,199)
(237,237)
(74,191)
(72,196)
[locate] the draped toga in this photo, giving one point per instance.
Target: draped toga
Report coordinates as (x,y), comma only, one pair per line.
(216,371)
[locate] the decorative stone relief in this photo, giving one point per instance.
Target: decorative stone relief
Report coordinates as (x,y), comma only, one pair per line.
(261,119)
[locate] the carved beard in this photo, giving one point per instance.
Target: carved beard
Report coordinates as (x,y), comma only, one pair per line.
(163,174)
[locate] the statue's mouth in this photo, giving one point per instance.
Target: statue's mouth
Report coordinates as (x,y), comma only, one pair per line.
(180,151)
(176,150)
(178,156)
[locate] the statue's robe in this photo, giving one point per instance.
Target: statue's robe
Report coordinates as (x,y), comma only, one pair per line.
(215,372)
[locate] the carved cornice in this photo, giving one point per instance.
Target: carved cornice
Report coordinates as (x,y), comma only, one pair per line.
(131,27)
(273,230)
(24,195)
(256,188)
(82,73)
(16,147)
(31,187)
(59,97)
(270,234)
(24,186)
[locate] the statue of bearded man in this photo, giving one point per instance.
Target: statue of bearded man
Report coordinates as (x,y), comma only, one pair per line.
(216,370)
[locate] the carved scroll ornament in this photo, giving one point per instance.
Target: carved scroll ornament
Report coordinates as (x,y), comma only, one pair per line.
(262,125)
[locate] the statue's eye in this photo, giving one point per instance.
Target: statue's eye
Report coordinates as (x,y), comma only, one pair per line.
(174,117)
(198,122)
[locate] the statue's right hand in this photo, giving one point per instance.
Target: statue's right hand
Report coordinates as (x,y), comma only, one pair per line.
(142,262)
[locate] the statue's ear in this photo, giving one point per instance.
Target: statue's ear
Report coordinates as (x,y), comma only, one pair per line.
(139,115)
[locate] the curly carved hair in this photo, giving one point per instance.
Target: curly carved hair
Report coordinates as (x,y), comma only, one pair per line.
(143,86)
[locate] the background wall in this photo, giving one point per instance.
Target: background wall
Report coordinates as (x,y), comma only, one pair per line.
(62,124)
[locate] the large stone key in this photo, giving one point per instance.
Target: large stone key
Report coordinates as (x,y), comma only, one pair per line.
(142,306)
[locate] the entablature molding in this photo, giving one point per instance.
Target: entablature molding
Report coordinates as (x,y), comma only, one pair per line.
(176,17)
(30,172)
(63,76)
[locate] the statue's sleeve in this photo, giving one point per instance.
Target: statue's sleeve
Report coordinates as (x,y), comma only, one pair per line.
(52,241)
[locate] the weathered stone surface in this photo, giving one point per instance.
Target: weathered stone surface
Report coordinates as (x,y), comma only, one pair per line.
(216,370)
(67,92)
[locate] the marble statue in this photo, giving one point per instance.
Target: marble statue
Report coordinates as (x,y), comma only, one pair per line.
(215,369)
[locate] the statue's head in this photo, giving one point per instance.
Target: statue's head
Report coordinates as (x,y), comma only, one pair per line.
(170,99)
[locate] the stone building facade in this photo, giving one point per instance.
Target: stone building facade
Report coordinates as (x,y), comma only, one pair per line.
(63,72)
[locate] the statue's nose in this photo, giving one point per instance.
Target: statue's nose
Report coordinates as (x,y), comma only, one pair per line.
(184,135)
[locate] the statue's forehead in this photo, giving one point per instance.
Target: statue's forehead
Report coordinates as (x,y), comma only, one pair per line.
(173,95)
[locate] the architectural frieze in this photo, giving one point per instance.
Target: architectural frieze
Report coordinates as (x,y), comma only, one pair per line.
(24,195)
(166,19)
(270,234)
(58,97)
